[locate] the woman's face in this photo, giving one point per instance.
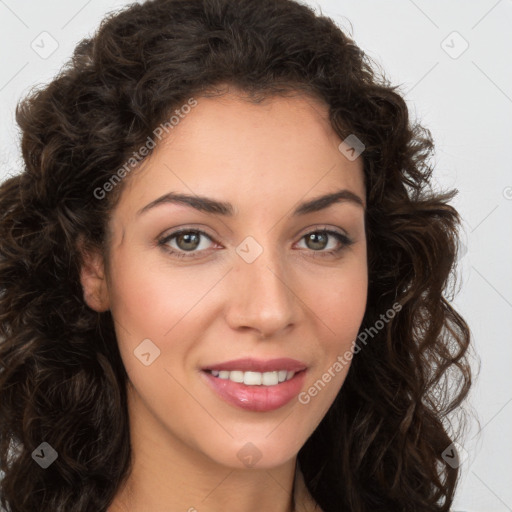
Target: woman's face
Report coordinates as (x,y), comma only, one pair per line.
(253,279)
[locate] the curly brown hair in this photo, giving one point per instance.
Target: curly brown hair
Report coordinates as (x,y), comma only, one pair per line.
(62,380)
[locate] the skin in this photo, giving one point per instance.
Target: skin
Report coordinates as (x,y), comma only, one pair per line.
(291,301)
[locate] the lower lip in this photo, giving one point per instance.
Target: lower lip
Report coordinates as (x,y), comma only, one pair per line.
(256,398)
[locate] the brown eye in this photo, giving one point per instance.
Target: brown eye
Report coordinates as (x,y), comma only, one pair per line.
(184,241)
(188,241)
(318,241)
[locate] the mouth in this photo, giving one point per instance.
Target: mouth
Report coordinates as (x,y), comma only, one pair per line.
(253,389)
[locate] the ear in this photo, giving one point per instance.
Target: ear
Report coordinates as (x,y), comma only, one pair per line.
(92,277)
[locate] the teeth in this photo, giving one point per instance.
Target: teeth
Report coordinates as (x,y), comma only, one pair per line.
(270,379)
(254,378)
(235,376)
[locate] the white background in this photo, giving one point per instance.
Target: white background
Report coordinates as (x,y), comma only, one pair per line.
(467,104)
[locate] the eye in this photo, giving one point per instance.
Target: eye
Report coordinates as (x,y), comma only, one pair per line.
(186,240)
(318,241)
(187,243)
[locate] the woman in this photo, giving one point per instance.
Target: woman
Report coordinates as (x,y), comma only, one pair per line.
(223,276)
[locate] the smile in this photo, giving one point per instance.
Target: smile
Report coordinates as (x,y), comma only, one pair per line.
(254,378)
(263,392)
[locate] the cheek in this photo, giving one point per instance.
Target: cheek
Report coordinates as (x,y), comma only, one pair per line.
(150,299)
(339,312)
(340,304)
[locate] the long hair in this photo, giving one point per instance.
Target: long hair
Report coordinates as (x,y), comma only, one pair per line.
(380,446)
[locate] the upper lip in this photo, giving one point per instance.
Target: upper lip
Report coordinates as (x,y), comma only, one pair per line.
(249,364)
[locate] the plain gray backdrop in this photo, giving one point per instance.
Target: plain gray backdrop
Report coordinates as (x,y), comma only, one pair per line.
(452,60)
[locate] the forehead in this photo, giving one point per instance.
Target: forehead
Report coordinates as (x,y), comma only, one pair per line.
(280,149)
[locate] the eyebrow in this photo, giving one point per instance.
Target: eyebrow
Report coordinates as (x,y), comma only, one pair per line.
(208,205)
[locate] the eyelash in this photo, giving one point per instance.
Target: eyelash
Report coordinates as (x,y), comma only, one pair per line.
(343,239)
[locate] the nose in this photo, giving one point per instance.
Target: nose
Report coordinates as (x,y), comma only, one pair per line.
(261,296)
